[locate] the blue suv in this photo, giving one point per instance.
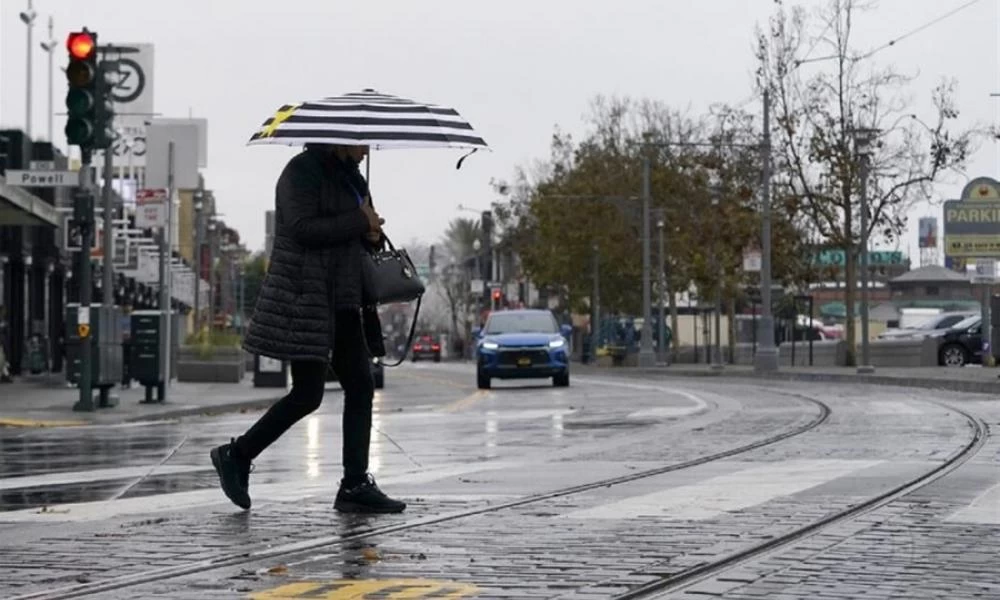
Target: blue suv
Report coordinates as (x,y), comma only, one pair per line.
(523,344)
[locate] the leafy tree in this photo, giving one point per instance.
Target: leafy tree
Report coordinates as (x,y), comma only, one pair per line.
(816,113)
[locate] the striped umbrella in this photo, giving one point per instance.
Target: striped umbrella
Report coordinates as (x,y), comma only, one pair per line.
(368,118)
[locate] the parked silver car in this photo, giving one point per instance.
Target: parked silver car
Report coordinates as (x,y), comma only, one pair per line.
(936,326)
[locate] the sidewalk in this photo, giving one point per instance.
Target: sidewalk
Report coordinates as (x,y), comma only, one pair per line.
(973,379)
(46,401)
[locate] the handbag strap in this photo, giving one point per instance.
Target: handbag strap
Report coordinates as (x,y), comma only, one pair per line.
(409,339)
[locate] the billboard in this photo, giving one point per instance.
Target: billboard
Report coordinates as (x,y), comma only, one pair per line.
(927,232)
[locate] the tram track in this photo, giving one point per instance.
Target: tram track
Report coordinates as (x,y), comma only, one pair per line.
(153,575)
(678,582)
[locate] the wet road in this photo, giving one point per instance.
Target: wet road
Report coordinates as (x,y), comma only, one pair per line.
(502,493)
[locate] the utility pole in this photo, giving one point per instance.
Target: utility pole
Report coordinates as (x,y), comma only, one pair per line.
(646,356)
(212,234)
(166,256)
(766,357)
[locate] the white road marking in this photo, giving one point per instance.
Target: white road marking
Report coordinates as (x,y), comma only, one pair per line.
(285,491)
(984,510)
(724,493)
(71,477)
(698,404)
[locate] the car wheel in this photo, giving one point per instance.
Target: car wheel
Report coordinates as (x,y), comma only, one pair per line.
(437,358)
(561,380)
(953,355)
(413,358)
(482,381)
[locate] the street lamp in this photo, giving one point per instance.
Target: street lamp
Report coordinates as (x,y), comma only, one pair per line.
(28,18)
(199,233)
(662,328)
(863,141)
(714,187)
(49,46)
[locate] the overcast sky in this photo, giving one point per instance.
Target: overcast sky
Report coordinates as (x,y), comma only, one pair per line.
(514,69)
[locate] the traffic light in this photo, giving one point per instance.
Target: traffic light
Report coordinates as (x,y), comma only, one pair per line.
(81,100)
(104,135)
(497,294)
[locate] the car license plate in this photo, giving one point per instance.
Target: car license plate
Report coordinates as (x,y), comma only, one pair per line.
(524,361)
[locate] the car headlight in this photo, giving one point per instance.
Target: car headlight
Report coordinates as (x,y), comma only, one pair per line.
(490,345)
(557,343)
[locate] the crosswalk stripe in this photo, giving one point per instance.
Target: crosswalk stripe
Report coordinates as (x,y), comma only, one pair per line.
(93,475)
(733,491)
(984,510)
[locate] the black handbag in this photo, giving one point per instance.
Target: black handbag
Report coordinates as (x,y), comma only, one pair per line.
(391,277)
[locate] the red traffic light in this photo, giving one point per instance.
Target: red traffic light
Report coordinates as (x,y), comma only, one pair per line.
(80,45)
(496,294)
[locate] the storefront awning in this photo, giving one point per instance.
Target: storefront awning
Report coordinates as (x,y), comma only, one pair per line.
(19,207)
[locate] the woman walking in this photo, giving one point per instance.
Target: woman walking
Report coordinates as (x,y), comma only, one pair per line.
(312,311)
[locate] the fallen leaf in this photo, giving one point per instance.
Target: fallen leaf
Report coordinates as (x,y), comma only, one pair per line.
(370,554)
(278,570)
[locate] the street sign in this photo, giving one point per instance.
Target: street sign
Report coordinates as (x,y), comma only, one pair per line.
(42,178)
(42,165)
(132,92)
(752,261)
(986,270)
(151,208)
(83,330)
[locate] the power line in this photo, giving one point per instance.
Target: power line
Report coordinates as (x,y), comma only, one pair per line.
(927,25)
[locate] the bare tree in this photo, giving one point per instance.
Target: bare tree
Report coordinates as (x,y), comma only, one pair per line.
(816,114)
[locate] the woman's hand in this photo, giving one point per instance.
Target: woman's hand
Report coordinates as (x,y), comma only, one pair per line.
(374,221)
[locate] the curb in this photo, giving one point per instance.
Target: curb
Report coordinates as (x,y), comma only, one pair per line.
(188,411)
(38,423)
(972,387)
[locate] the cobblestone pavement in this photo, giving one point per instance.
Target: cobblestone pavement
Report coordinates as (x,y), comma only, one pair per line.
(464,449)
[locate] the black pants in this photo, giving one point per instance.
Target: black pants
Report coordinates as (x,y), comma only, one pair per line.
(352,365)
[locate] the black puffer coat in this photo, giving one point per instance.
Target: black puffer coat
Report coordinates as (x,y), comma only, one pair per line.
(315,263)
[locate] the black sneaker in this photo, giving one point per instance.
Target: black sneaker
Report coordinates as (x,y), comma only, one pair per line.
(365,497)
(234,473)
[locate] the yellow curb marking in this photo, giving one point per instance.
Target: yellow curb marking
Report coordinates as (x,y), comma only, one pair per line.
(348,589)
(36,423)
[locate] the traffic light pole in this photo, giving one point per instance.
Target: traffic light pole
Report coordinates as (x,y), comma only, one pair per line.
(85,214)
(107,283)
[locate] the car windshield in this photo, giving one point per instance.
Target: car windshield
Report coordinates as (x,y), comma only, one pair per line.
(513,322)
(967,323)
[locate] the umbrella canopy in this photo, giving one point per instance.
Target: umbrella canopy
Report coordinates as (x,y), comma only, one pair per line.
(368,118)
